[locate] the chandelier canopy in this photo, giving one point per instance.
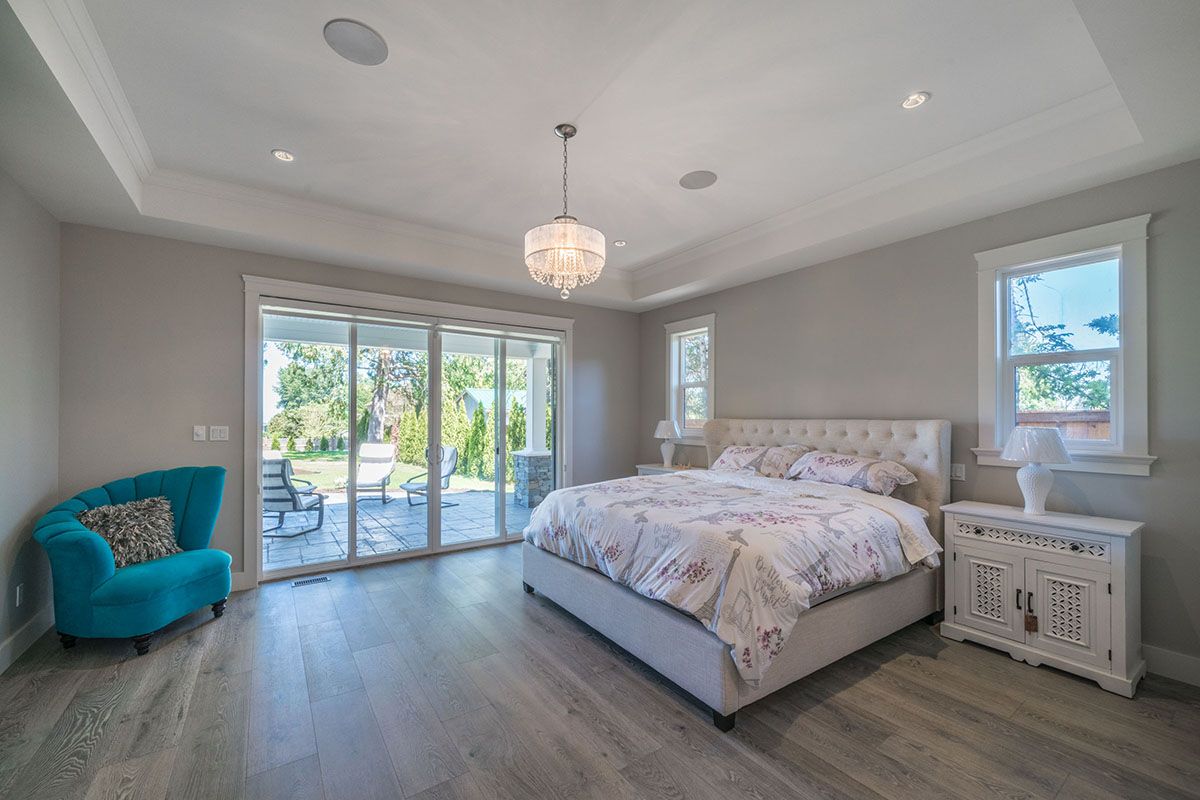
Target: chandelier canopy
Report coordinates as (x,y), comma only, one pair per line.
(563,253)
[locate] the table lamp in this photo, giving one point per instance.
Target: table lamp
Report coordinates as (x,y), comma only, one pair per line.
(1036,447)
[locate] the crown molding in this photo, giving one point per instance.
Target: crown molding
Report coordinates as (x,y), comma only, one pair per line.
(918,198)
(66,38)
(250,198)
(1069,113)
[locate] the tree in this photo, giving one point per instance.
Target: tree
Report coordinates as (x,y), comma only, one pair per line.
(315,373)
(516,436)
(1055,386)
(476,449)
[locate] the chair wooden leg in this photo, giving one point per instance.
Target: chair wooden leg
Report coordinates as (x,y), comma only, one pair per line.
(68,641)
(219,607)
(142,644)
(724,723)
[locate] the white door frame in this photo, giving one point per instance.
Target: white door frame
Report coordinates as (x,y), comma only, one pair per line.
(261,291)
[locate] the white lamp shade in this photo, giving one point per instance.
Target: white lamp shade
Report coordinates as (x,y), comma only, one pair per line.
(1036,446)
(564,254)
(665,430)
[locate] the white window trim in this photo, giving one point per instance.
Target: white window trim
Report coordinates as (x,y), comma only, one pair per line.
(1125,238)
(708,323)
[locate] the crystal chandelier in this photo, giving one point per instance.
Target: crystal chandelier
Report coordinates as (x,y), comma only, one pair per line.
(563,253)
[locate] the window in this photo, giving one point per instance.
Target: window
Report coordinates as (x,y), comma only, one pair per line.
(690,375)
(1064,319)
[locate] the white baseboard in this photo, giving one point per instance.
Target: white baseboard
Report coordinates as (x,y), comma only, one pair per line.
(1170,664)
(16,644)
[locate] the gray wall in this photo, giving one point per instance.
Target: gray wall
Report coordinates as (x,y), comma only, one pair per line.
(29,269)
(892,333)
(152,343)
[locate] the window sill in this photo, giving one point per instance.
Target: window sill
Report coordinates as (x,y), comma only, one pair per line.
(690,439)
(1101,463)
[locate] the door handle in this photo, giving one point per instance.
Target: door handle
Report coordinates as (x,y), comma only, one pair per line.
(1018,599)
(1029,602)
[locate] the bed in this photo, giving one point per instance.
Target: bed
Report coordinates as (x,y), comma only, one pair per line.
(682,648)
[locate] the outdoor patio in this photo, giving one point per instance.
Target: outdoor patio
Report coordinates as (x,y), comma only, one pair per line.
(390,528)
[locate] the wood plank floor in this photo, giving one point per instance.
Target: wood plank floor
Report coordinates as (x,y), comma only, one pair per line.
(439,678)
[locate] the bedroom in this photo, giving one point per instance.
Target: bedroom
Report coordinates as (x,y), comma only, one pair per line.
(852,260)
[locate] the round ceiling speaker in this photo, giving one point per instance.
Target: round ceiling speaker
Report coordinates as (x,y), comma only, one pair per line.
(356,42)
(700,179)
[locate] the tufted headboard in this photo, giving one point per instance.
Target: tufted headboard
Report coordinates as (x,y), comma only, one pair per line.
(922,445)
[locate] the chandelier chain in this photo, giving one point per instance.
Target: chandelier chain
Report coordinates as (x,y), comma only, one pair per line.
(564,176)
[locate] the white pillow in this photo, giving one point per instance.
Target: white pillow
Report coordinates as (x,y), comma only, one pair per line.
(870,474)
(734,459)
(778,460)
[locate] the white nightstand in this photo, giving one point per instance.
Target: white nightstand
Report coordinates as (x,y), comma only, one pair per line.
(659,469)
(1056,589)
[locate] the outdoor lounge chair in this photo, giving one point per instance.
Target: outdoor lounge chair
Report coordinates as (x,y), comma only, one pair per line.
(449,465)
(283,493)
(376,463)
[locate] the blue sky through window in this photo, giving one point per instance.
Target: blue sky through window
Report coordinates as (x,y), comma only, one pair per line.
(1072,296)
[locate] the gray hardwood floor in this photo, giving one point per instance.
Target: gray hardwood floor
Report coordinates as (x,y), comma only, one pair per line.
(439,679)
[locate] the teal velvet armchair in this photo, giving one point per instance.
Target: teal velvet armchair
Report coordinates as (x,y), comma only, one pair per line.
(94,599)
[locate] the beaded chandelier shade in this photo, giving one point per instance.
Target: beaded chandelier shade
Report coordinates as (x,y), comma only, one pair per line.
(563,253)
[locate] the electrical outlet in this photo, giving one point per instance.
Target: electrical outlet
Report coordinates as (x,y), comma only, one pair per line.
(958,472)
(199,433)
(218,433)
(20,593)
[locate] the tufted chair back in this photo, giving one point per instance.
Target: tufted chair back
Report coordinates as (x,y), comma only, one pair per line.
(194,492)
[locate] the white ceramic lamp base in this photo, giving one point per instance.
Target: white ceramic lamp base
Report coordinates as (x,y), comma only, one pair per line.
(1035,481)
(668,453)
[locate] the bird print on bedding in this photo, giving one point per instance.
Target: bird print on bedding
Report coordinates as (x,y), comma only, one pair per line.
(743,554)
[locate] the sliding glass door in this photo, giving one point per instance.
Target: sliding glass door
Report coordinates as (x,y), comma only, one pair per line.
(305,455)
(384,438)
(391,428)
(530,369)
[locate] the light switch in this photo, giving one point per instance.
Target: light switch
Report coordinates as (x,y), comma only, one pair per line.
(218,433)
(958,472)
(199,433)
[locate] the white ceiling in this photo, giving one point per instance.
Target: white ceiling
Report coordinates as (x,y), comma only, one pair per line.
(436,162)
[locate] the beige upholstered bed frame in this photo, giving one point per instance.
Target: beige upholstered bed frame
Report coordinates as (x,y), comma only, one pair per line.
(688,654)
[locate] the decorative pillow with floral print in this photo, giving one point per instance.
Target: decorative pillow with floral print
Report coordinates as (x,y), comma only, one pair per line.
(737,458)
(778,460)
(870,474)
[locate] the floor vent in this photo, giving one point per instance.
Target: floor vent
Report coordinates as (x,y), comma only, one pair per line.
(307,581)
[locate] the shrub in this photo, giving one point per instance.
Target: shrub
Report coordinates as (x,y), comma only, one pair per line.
(341,443)
(324,443)
(274,442)
(291,444)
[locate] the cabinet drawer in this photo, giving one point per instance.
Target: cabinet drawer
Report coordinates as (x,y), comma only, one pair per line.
(967,530)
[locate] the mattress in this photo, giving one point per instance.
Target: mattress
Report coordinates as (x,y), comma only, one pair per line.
(742,554)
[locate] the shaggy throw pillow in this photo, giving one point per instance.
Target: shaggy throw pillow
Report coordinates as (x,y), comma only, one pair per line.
(137,531)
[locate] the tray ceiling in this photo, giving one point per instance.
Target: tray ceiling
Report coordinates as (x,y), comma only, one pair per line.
(435,162)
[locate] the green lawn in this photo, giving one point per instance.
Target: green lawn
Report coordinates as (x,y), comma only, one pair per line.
(328,471)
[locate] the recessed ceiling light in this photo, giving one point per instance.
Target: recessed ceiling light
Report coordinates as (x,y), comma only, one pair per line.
(620,243)
(356,42)
(282,155)
(700,179)
(915,99)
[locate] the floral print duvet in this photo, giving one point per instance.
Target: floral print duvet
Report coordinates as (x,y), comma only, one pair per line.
(743,554)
